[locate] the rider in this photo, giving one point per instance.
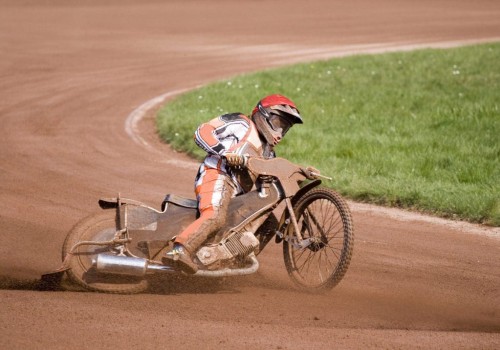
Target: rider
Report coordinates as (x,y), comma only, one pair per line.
(228,139)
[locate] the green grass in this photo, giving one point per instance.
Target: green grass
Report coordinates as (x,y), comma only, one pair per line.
(418,130)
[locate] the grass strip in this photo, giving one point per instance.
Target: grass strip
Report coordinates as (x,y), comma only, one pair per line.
(417,130)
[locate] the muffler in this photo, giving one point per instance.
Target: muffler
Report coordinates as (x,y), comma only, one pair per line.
(126,265)
(139,267)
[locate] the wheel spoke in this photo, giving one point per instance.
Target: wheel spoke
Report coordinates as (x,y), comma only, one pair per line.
(307,262)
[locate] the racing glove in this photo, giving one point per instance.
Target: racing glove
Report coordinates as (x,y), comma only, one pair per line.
(235,160)
(311,173)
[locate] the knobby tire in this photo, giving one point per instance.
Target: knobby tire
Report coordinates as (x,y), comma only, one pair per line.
(98,227)
(325,216)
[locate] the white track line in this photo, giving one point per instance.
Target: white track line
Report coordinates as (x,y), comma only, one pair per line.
(132,121)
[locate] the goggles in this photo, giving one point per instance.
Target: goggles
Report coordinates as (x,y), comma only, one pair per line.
(278,123)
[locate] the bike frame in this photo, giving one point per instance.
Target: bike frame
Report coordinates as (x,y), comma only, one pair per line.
(138,222)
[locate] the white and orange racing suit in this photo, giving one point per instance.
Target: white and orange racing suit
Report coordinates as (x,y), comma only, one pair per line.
(216,183)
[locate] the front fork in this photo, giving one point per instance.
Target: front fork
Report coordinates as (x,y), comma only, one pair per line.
(293,219)
(297,240)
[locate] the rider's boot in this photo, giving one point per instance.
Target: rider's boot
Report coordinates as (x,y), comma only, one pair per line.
(180,258)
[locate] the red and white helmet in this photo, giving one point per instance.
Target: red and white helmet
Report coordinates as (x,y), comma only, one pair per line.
(274,115)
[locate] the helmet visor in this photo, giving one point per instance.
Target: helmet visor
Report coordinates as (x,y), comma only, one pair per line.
(279,124)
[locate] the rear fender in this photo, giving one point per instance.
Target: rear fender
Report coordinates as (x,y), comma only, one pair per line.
(110,203)
(150,229)
(132,214)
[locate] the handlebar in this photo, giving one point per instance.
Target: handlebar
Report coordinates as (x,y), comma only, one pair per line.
(322,176)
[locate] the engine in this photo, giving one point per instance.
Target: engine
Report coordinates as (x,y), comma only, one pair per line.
(239,244)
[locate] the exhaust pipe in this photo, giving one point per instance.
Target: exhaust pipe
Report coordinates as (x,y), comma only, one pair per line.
(126,265)
(232,272)
(139,267)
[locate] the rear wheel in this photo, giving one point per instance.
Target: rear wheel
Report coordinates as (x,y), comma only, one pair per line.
(100,227)
(324,218)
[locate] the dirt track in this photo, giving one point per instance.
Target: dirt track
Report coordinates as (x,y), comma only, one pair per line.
(70,77)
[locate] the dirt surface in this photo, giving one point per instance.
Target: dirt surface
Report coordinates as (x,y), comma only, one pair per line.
(72,75)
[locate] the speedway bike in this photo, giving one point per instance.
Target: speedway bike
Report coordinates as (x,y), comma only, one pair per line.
(119,250)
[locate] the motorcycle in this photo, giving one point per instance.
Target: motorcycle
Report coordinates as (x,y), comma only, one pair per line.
(119,250)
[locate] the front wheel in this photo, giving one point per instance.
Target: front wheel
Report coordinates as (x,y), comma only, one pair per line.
(100,227)
(325,219)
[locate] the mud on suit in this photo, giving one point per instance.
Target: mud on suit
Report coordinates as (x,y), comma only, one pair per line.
(216,183)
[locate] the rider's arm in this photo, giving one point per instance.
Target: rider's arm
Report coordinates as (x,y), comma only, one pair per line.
(206,139)
(222,134)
